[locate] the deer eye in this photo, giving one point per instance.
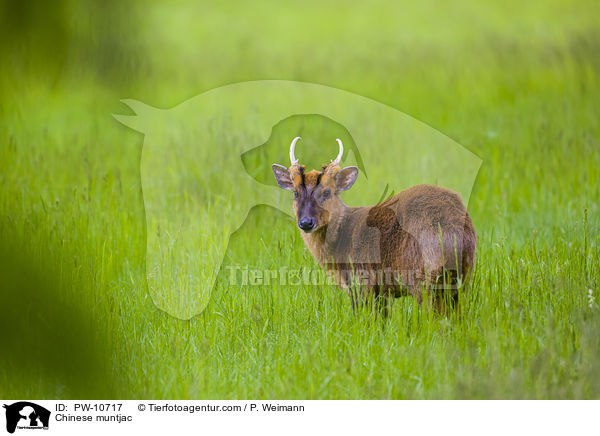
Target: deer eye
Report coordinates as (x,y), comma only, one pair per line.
(326,193)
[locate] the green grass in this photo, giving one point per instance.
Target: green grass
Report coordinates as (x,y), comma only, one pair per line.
(516,84)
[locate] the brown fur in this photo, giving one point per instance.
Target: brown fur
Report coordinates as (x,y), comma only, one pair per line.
(421,239)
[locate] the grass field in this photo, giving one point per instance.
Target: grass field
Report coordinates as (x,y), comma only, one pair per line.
(516,83)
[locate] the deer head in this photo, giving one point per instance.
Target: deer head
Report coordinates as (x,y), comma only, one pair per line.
(316,193)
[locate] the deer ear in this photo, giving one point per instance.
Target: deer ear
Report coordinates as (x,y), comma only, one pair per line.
(283,177)
(345,178)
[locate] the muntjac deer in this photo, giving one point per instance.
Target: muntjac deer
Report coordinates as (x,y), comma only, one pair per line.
(419,242)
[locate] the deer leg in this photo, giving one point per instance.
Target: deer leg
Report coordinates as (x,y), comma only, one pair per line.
(360,295)
(352,292)
(354,299)
(383,306)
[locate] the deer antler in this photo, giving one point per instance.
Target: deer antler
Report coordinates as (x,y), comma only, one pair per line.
(292,155)
(336,161)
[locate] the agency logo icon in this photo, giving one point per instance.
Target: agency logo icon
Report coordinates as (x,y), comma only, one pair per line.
(206,163)
(26,415)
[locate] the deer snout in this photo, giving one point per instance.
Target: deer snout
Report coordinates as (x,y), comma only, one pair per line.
(307,224)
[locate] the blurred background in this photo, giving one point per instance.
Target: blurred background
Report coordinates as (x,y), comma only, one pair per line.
(515,82)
